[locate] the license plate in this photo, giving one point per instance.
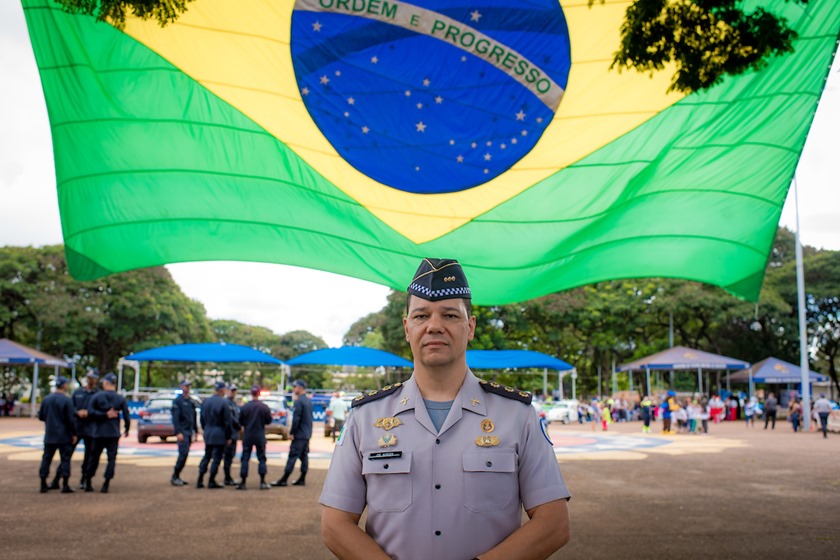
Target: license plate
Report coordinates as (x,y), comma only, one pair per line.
(160,418)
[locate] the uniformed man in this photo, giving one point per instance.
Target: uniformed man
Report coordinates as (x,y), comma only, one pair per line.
(59,417)
(254,417)
(215,420)
(104,409)
(230,450)
(185,423)
(300,434)
(81,398)
(445,462)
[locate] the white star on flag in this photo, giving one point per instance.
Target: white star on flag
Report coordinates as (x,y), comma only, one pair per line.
(475,15)
(460,159)
(365,130)
(438,99)
(316,26)
(513,140)
(407,93)
(325,80)
(426,82)
(520,116)
(338,72)
(503,146)
(524,133)
(417,168)
(346,114)
(539,119)
(420,127)
(487,157)
(473,144)
(486,171)
(351,101)
(463,59)
(305,91)
(374,60)
(452,142)
(489,143)
(419,105)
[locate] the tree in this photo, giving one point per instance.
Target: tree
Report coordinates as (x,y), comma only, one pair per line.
(705,39)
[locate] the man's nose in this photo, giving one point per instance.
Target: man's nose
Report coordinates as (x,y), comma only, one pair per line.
(434,324)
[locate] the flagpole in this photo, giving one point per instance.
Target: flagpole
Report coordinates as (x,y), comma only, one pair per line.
(803,341)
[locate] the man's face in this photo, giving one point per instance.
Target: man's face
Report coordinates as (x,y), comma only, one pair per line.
(297,390)
(91,382)
(185,389)
(438,331)
(108,386)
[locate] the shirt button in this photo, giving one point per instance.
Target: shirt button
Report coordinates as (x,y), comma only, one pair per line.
(385,466)
(437,441)
(437,533)
(437,486)
(488,463)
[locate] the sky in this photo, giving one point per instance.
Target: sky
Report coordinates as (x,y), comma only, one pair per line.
(324,304)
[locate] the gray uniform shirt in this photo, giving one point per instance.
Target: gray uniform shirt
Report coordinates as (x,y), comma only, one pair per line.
(444,496)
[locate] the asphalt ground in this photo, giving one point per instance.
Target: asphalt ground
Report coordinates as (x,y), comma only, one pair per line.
(736,493)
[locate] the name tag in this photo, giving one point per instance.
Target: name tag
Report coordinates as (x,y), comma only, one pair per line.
(382,455)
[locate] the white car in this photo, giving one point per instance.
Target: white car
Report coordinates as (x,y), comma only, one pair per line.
(565,411)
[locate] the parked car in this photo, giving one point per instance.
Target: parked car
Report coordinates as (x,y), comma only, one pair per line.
(565,411)
(279,416)
(155,418)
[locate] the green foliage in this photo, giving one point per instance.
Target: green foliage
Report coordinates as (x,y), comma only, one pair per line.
(705,39)
(115,11)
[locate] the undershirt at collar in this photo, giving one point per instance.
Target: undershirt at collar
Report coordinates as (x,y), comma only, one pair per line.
(438,411)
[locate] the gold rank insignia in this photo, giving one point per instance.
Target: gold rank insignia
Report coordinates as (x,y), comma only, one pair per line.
(487,441)
(487,426)
(404,401)
(387,423)
(476,402)
(387,440)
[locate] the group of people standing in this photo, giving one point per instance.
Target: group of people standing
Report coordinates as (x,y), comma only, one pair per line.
(224,421)
(92,416)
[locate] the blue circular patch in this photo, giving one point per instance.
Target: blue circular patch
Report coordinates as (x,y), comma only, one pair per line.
(434,96)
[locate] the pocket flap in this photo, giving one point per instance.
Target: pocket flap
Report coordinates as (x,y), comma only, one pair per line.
(376,462)
(498,460)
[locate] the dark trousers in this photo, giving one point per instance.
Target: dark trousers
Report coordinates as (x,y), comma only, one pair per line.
(768,415)
(298,450)
(336,431)
(824,423)
(246,457)
(183,453)
(230,453)
(88,441)
(215,453)
(111,444)
(65,451)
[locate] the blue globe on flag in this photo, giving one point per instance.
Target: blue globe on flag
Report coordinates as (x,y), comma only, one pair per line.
(431,96)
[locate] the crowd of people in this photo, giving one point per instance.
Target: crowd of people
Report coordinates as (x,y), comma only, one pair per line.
(692,415)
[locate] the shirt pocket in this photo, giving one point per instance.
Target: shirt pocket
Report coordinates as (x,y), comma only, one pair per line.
(389,487)
(490,479)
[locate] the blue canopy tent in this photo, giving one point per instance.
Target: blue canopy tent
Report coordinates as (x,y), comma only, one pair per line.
(773,371)
(350,356)
(681,358)
(221,352)
(518,359)
(15,353)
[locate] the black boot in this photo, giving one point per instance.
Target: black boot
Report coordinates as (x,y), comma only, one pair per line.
(83,484)
(263,484)
(301,481)
(200,483)
(44,486)
(176,480)
(282,481)
(213,484)
(89,485)
(105,485)
(54,485)
(66,487)
(241,485)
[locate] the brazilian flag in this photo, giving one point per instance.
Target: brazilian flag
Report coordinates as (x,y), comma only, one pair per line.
(357,136)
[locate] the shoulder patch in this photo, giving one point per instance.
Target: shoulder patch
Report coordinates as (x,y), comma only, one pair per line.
(376,395)
(507,392)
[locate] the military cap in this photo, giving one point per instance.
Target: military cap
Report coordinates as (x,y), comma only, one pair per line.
(299,383)
(233,387)
(185,383)
(92,374)
(255,389)
(110,378)
(438,279)
(61,381)
(220,385)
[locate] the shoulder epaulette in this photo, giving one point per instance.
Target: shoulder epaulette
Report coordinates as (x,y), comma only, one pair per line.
(375,395)
(507,392)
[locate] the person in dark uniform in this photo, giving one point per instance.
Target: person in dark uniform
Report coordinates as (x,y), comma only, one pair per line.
(81,398)
(300,434)
(215,420)
(230,449)
(254,417)
(185,423)
(104,410)
(59,417)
